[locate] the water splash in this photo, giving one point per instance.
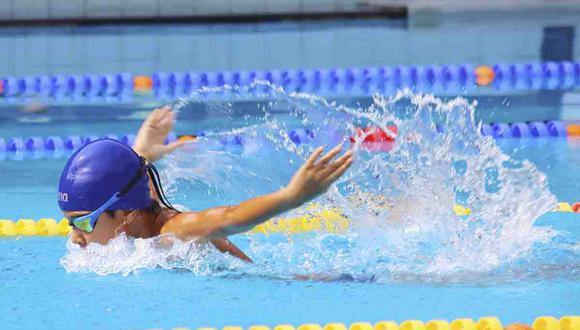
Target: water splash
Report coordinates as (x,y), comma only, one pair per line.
(126,255)
(400,203)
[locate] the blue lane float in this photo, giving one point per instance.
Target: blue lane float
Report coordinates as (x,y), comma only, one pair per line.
(539,129)
(501,130)
(34,143)
(73,142)
(569,74)
(56,143)
(73,87)
(547,75)
(486,130)
(11,89)
(171,85)
(555,129)
(525,130)
(520,130)
(15,145)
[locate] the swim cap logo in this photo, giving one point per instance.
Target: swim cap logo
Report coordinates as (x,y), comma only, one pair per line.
(62,197)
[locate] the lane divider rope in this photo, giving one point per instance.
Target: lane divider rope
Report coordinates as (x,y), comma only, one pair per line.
(172,85)
(529,130)
(571,322)
(317,220)
(370,135)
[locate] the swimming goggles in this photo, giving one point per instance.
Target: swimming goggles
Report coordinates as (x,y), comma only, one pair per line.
(88,222)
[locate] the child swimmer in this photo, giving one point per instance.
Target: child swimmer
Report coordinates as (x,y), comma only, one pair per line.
(108,188)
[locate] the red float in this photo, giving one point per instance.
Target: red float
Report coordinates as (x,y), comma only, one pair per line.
(375,139)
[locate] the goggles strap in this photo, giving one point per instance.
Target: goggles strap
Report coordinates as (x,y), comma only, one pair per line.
(134,179)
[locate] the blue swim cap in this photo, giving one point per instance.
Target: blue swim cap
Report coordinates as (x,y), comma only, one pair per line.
(97,171)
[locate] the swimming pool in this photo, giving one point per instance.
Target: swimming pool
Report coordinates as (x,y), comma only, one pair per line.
(435,267)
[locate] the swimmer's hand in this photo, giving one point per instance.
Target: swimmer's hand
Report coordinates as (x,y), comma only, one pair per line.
(314,177)
(150,139)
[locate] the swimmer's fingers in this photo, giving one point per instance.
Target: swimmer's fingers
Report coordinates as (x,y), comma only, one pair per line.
(157,116)
(159,125)
(343,165)
(310,161)
(167,121)
(330,168)
(326,158)
(174,145)
(164,109)
(338,173)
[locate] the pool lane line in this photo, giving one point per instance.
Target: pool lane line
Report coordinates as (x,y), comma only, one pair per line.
(45,147)
(326,220)
(329,220)
(571,322)
(567,207)
(166,86)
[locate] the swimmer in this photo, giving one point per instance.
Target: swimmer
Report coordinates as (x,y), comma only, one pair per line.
(107,188)
(34,107)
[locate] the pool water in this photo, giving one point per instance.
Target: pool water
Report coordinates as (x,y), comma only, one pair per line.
(502,261)
(42,293)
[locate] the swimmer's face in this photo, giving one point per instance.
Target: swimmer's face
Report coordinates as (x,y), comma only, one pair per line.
(106,229)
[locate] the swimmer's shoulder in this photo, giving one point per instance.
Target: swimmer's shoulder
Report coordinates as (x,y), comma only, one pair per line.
(166,216)
(174,222)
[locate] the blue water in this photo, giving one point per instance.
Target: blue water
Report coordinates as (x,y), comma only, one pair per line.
(37,291)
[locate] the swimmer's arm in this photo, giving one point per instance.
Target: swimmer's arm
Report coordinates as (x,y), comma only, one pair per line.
(311,180)
(228,220)
(150,139)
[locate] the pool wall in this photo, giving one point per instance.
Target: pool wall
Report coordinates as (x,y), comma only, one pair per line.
(426,38)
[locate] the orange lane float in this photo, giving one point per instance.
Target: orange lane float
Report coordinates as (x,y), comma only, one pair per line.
(187,138)
(573,130)
(484,75)
(142,84)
